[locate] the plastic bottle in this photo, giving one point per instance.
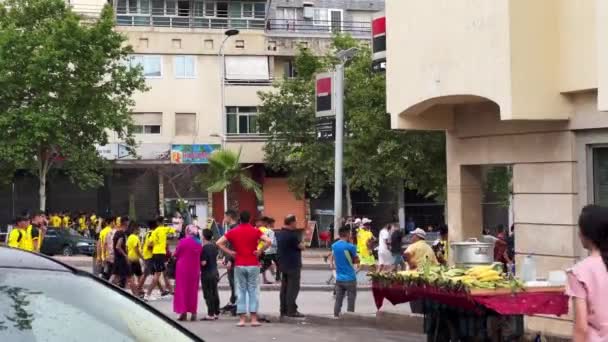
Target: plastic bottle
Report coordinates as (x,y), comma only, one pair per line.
(528,269)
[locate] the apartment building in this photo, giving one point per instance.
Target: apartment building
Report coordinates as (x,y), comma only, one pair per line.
(511,82)
(205,61)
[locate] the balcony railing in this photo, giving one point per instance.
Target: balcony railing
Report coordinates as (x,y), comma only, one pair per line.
(188,22)
(318,26)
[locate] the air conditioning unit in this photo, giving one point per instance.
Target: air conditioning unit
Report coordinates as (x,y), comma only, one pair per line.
(309,12)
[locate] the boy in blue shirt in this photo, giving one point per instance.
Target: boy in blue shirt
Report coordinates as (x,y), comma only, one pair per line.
(344,257)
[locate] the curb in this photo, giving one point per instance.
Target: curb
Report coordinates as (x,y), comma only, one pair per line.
(304,287)
(382,320)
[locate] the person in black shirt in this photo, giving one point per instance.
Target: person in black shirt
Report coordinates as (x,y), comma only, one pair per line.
(396,247)
(230,222)
(121,271)
(289,250)
(210,276)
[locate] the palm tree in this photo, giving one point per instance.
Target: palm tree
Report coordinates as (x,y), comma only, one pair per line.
(224,170)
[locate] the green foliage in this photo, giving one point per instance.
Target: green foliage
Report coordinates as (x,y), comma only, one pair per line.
(499,183)
(225,169)
(65,84)
(374,155)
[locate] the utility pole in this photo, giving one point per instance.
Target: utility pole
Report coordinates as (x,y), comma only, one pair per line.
(339,149)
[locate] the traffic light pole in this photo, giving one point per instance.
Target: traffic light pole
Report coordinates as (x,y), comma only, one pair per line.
(339,150)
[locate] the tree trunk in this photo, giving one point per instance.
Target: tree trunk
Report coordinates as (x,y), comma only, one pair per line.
(349,202)
(42,187)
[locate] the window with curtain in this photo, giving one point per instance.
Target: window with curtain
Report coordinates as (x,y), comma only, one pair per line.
(251,68)
(321,17)
(152,65)
(184,66)
(242,120)
(147,123)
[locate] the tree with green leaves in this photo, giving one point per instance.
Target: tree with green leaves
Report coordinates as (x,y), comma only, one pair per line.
(225,169)
(375,156)
(66,84)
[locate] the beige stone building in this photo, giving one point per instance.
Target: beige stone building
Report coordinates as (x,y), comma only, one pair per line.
(204,85)
(511,82)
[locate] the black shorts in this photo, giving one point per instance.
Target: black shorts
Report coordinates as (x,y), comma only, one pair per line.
(135,268)
(121,268)
(267,260)
(158,263)
(148,266)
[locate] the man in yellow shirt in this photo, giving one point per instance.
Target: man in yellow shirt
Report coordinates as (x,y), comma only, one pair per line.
(65,221)
(134,255)
(55,220)
(18,236)
(146,252)
(159,256)
(82,223)
(419,252)
(101,248)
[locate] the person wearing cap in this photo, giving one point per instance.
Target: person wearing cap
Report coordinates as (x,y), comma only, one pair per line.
(419,251)
(18,236)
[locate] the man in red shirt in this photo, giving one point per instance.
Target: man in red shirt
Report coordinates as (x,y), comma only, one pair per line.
(244,240)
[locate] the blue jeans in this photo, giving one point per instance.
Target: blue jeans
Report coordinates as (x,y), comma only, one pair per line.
(246,282)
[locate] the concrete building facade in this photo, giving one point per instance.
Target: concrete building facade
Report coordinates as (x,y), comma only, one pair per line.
(511,82)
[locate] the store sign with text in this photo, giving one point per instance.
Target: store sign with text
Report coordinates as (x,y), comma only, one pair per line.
(192,154)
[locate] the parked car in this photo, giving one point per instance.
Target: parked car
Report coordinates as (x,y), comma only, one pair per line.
(42,299)
(66,242)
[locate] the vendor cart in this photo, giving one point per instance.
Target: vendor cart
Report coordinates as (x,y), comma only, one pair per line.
(475,315)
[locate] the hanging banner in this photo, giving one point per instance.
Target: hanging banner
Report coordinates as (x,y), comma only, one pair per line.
(192,154)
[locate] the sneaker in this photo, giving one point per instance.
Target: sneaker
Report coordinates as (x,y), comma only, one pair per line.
(165,294)
(150,298)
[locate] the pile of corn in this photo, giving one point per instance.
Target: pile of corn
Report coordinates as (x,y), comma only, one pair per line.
(452,279)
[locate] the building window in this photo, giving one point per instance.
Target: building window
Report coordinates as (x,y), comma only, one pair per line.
(329,18)
(242,120)
(147,123)
(152,65)
(133,7)
(600,176)
(184,66)
(185,124)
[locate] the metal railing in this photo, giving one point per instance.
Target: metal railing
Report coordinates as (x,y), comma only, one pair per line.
(318,26)
(188,22)
(189,18)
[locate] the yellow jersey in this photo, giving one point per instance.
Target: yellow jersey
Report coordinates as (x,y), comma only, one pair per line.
(147,247)
(133,245)
(159,239)
(18,239)
(66,221)
(82,223)
(55,221)
(93,220)
(261,243)
(102,240)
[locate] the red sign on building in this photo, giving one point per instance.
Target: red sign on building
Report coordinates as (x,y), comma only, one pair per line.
(324,95)
(379,42)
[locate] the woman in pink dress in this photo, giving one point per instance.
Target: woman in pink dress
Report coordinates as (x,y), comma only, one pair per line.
(587,280)
(187,275)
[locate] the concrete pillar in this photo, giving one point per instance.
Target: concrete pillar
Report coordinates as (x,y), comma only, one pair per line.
(464,202)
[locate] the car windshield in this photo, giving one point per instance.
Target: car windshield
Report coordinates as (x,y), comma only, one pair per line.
(42,306)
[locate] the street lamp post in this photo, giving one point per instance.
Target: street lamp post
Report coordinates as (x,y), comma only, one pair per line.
(222,60)
(344,56)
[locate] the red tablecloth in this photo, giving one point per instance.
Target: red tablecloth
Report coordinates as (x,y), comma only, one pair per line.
(522,303)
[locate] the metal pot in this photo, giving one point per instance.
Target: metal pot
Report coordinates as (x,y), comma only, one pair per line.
(472,252)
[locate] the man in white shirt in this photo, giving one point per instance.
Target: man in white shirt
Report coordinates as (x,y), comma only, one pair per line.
(385,257)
